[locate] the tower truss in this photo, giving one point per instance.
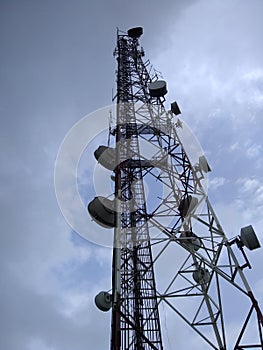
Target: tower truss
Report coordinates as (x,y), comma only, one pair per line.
(173,228)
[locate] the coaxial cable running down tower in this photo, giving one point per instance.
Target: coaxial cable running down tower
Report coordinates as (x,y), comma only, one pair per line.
(171,228)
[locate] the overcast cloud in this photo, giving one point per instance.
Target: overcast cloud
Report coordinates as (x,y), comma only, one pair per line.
(56,67)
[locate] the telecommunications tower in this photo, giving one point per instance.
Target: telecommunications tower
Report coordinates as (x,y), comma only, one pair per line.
(169,247)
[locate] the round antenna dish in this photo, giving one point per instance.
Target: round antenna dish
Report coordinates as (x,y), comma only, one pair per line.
(102,211)
(191,240)
(135,32)
(103,301)
(249,238)
(106,156)
(187,205)
(157,88)
(201,275)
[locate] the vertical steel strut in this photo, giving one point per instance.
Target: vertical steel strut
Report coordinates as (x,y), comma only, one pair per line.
(135,318)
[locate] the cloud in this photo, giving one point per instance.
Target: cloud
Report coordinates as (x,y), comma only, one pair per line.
(29,318)
(248,184)
(253,150)
(217,182)
(214,66)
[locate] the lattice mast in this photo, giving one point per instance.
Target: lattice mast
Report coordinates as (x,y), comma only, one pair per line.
(135,318)
(182,222)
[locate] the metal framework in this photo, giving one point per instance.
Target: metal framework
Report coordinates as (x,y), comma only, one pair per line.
(176,221)
(135,321)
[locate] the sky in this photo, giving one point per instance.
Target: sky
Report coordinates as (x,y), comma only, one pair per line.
(57,67)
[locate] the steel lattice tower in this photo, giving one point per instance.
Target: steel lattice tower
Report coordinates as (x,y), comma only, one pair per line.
(182,222)
(135,322)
